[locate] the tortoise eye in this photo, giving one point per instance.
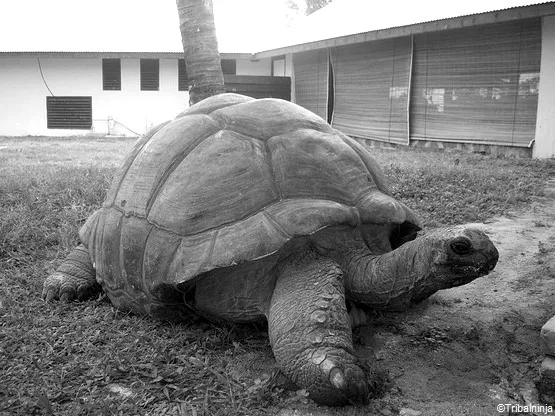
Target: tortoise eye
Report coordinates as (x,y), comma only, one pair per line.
(462,246)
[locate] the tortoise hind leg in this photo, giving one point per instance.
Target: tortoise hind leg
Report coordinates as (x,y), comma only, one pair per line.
(310,331)
(74,279)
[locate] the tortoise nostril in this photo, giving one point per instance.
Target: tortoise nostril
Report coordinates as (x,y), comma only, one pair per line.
(462,246)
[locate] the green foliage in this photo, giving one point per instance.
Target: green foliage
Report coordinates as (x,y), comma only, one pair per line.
(313,5)
(308,6)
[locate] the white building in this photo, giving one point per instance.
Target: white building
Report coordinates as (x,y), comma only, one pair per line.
(467,74)
(74,68)
(74,93)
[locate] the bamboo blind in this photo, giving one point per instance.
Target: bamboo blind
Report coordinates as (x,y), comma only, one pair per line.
(477,85)
(371,84)
(311,80)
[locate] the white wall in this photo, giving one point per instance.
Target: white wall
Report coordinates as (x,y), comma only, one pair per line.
(23,99)
(544,146)
(23,94)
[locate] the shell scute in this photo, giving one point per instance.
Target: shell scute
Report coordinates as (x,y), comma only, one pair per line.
(312,164)
(268,117)
(157,158)
(297,217)
(246,240)
(159,251)
(122,172)
(214,103)
(191,258)
(225,178)
(134,234)
(107,249)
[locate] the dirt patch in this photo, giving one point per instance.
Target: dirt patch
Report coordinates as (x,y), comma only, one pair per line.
(468,349)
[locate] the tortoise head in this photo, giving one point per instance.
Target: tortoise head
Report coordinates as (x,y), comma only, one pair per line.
(440,259)
(460,255)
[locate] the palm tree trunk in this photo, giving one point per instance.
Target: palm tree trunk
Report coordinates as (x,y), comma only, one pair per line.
(202,59)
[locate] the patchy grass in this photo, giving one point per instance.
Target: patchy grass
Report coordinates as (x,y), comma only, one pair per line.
(90,359)
(454,188)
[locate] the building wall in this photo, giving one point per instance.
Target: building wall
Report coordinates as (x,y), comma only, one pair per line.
(23,98)
(544,145)
(479,68)
(289,72)
(254,67)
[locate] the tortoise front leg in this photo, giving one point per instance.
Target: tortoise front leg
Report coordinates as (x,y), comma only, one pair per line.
(310,331)
(74,279)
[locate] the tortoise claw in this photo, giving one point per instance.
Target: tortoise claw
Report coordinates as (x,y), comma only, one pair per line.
(357,388)
(49,295)
(58,286)
(66,297)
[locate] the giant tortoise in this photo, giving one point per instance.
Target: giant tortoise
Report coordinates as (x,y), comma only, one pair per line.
(242,209)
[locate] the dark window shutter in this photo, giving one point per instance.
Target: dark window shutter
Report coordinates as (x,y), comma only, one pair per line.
(229,66)
(111,74)
(150,74)
(182,79)
(69,112)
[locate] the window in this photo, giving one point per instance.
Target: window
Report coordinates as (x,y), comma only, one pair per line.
(69,112)
(229,66)
(278,66)
(182,80)
(111,74)
(150,74)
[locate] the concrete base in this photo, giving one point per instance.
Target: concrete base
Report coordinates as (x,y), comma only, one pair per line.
(508,151)
(546,384)
(548,337)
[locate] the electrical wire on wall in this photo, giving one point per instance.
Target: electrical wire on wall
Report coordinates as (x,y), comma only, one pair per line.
(52,94)
(43,80)
(123,125)
(107,120)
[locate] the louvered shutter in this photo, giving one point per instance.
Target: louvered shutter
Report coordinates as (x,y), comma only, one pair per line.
(69,112)
(150,74)
(111,74)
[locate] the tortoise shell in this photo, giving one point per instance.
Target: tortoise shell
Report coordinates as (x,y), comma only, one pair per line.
(230,180)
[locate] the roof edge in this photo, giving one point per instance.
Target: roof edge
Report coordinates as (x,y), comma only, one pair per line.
(89,54)
(496,16)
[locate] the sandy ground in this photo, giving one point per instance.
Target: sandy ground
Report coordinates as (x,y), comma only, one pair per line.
(467,350)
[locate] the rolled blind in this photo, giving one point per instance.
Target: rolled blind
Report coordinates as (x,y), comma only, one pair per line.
(371,84)
(311,80)
(478,84)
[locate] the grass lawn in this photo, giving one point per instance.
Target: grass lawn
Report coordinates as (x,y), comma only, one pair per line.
(88,358)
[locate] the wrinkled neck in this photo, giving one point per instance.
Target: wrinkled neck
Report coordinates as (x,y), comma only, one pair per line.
(393,280)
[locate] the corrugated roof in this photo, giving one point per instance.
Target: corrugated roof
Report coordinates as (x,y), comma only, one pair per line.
(343,18)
